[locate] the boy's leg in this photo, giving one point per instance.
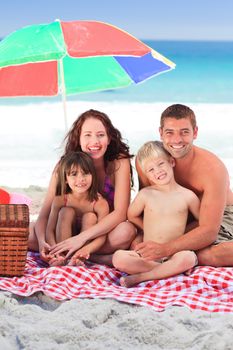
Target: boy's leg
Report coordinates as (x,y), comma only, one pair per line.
(130,262)
(178,263)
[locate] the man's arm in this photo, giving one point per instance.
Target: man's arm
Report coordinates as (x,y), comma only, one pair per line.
(194,204)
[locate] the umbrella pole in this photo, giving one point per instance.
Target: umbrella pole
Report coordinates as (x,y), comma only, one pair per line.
(63,93)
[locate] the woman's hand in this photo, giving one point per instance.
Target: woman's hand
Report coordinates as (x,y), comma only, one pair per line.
(69,245)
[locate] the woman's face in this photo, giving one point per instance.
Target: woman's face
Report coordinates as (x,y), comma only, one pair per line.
(93,138)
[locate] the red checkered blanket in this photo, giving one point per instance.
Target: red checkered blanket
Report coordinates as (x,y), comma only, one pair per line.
(207,288)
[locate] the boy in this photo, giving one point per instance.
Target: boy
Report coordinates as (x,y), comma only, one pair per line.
(164,205)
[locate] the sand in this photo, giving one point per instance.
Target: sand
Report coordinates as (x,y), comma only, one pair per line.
(39,322)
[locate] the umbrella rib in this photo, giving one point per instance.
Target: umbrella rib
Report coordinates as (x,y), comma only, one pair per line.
(63,92)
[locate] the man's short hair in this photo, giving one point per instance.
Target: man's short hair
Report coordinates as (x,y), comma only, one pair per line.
(178,111)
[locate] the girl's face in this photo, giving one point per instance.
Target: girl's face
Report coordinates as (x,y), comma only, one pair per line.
(78,181)
(93,138)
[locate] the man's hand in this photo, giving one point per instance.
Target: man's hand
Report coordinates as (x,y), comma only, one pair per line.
(151,251)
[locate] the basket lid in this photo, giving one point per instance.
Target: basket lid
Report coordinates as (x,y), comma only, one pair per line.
(14,215)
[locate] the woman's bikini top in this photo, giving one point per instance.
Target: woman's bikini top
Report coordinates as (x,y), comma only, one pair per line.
(109,192)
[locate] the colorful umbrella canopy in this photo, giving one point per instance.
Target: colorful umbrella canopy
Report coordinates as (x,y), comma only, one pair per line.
(74,57)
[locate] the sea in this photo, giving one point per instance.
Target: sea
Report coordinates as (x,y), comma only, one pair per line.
(32,130)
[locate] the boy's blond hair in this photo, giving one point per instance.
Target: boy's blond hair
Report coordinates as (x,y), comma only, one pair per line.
(151,150)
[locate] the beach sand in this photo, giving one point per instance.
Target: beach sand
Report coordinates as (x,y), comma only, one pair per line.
(39,322)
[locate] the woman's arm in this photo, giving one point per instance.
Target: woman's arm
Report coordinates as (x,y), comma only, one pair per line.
(52,221)
(41,223)
(101,208)
(110,221)
(88,248)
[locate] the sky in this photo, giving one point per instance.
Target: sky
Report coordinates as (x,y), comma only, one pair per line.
(145,19)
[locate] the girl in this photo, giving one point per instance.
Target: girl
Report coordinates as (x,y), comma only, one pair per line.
(77,190)
(93,133)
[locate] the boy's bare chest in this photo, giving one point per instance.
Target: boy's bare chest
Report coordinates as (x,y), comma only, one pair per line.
(165,204)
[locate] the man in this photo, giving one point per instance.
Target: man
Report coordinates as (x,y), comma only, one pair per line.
(205,174)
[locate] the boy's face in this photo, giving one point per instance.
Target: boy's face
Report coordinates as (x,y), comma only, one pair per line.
(177,136)
(159,170)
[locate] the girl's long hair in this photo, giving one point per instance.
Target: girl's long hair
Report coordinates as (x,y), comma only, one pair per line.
(83,162)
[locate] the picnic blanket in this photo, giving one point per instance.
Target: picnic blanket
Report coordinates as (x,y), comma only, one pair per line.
(207,288)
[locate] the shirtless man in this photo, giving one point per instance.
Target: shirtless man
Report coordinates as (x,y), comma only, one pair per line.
(205,174)
(165,206)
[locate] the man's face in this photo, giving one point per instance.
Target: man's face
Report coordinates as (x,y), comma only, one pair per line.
(177,136)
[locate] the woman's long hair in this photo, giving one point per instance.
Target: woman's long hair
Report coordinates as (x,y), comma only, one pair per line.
(117,149)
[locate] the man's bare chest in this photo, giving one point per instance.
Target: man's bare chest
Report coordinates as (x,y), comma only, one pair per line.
(190,180)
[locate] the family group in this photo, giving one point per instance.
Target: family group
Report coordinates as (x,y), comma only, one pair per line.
(182,215)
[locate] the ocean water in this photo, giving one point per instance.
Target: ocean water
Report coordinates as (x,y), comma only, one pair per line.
(32,129)
(203,74)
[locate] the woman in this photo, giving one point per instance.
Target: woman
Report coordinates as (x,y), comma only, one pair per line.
(93,133)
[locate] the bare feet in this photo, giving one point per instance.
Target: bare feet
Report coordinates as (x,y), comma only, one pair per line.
(57,261)
(188,272)
(129,281)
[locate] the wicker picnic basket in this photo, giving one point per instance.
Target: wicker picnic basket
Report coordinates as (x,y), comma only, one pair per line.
(14,230)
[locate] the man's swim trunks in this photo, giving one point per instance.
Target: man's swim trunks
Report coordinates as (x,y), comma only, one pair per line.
(226,229)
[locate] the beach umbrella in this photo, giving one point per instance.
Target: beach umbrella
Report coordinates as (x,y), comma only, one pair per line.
(74,57)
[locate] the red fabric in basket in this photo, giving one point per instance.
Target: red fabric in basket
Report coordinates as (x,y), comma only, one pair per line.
(207,288)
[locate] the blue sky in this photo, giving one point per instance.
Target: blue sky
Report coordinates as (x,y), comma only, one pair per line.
(145,19)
